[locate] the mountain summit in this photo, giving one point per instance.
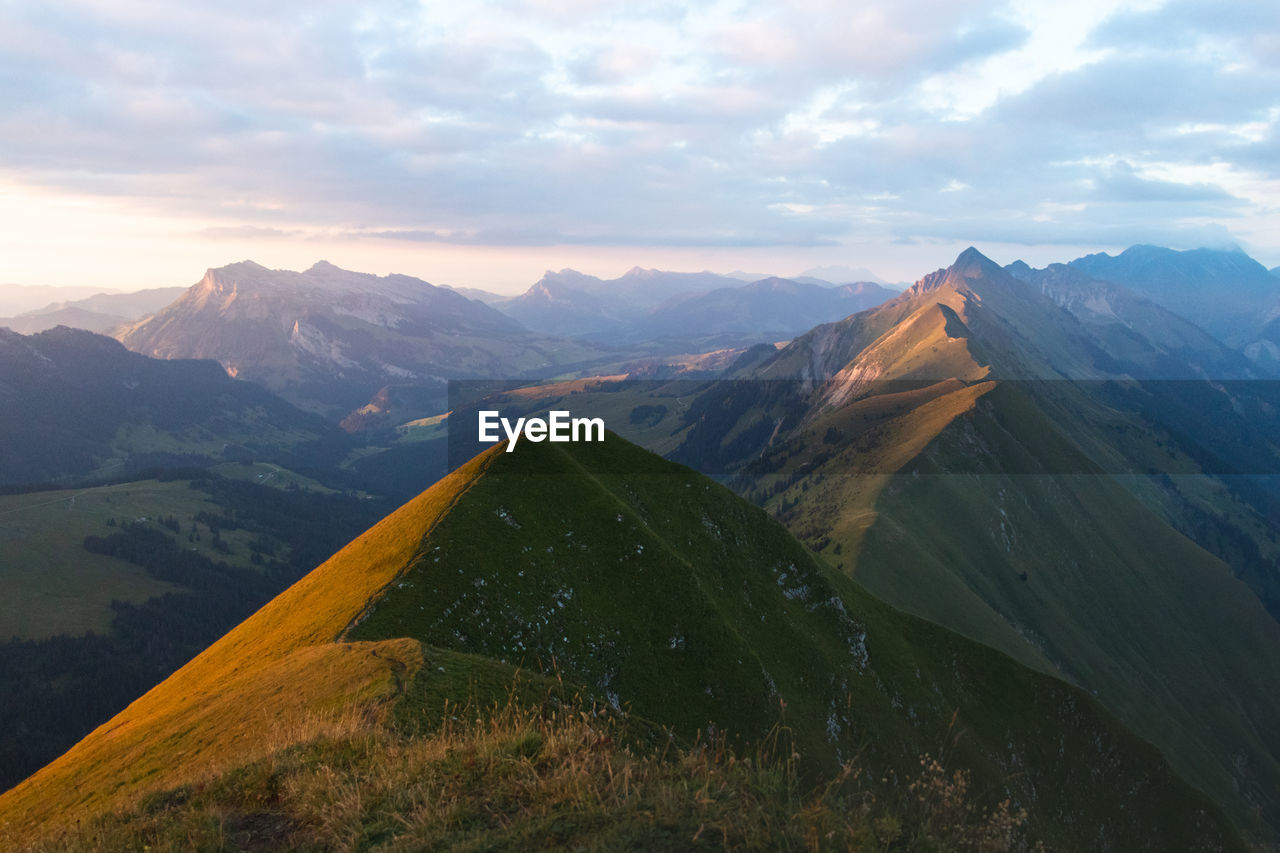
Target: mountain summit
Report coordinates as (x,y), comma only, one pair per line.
(328,339)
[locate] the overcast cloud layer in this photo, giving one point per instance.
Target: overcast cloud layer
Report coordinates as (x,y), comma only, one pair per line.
(583,123)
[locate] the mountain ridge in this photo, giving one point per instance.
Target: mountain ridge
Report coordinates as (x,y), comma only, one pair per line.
(342,629)
(943,391)
(79,404)
(328,339)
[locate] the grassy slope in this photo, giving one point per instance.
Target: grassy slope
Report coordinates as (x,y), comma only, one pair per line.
(118,760)
(1158,629)
(517,777)
(658,590)
(50,585)
(1113,598)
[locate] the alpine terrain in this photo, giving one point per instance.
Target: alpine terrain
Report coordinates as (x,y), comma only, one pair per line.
(335,714)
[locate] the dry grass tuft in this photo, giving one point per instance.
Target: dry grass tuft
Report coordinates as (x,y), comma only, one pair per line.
(527,775)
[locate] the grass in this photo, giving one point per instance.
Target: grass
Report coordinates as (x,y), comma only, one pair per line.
(268,474)
(956,510)
(191,719)
(50,585)
(1070,575)
(1075,571)
(654,590)
(424,429)
(518,776)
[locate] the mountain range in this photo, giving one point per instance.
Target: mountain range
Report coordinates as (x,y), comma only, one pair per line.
(662,595)
(21,298)
(1228,293)
(1051,465)
(693,309)
(1065,476)
(100,312)
(329,339)
(968,452)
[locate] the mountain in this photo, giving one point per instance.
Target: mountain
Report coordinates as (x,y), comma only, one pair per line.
(76,404)
(650,287)
(671,601)
(329,339)
(555,308)
(21,298)
(769,309)
(1066,490)
(71,316)
(1228,293)
(840,274)
(571,303)
(1148,340)
(715,311)
(828,276)
(101,312)
(476,293)
(1265,350)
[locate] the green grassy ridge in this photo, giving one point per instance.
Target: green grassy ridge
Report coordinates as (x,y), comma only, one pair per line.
(904,687)
(663,592)
(1070,575)
(1208,696)
(1117,600)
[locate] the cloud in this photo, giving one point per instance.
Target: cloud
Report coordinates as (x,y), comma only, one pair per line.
(1122,183)
(242,232)
(1181,25)
(560,123)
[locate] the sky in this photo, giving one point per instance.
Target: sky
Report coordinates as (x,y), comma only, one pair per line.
(477,144)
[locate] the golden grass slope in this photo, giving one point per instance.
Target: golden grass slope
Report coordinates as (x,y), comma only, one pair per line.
(278,668)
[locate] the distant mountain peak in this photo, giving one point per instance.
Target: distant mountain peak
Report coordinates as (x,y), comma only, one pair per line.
(246,265)
(971,262)
(1019,269)
(970,265)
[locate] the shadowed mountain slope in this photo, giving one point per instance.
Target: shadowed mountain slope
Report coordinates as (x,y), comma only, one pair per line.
(1228,293)
(74,404)
(659,592)
(988,454)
